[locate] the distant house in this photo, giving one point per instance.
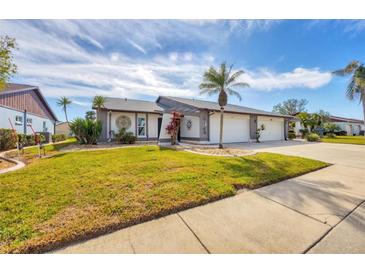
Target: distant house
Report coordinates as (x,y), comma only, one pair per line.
(24,108)
(349,125)
(200,123)
(63,128)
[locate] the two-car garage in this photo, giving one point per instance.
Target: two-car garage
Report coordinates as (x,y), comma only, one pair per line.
(236,128)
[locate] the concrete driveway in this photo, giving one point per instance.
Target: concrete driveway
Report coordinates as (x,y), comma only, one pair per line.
(320,212)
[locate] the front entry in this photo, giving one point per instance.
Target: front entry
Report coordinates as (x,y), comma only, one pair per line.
(159,123)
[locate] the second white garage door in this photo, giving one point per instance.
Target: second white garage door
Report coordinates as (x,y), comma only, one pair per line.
(274,128)
(236,128)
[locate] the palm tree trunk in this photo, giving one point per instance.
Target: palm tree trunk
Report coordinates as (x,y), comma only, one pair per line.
(66,115)
(221,129)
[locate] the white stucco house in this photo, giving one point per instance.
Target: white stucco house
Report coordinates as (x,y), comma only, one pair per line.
(147,120)
(24,108)
(349,125)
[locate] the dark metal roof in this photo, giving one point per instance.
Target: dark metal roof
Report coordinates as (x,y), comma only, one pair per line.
(124,104)
(13,88)
(200,104)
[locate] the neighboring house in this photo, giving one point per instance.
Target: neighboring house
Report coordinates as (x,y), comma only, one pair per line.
(200,123)
(24,108)
(63,128)
(349,125)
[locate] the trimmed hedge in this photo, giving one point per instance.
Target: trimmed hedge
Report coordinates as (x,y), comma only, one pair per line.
(7,139)
(58,137)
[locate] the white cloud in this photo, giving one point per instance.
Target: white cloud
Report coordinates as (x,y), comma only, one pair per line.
(136,46)
(300,77)
(50,57)
(81,103)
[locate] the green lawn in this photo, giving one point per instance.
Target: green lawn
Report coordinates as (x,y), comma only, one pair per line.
(32,152)
(76,195)
(355,140)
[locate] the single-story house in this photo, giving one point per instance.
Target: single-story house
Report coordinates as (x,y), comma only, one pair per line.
(349,125)
(63,128)
(24,108)
(200,123)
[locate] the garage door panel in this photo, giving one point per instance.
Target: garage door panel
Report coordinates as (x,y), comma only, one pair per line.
(274,128)
(236,128)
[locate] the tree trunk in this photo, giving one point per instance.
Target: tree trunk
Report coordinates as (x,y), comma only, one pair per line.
(66,115)
(363,107)
(221,129)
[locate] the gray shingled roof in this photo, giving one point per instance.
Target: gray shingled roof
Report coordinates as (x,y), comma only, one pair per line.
(125,104)
(229,108)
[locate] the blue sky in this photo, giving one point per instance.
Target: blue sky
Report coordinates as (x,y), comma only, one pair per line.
(142,59)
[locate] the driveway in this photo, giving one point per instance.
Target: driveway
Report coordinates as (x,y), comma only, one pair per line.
(320,212)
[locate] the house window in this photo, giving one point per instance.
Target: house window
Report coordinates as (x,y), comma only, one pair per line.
(18,120)
(45,129)
(141,126)
(29,121)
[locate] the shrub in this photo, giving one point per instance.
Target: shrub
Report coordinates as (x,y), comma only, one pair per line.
(125,137)
(291,135)
(313,137)
(330,135)
(7,139)
(258,132)
(29,140)
(86,131)
(58,137)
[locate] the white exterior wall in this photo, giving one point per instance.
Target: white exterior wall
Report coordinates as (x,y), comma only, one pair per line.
(274,128)
(166,119)
(298,126)
(194,131)
(37,121)
(350,128)
(132,117)
(236,128)
(153,125)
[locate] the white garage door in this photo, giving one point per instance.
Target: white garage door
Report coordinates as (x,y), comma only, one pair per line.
(274,128)
(236,128)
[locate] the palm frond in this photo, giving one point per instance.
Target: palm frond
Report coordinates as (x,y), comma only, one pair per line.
(240,85)
(350,68)
(352,89)
(234,76)
(234,93)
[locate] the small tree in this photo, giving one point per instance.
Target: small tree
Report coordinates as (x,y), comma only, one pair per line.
(7,65)
(173,127)
(90,115)
(258,132)
(330,129)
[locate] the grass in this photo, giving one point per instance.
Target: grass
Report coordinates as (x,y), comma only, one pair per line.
(74,196)
(32,152)
(355,140)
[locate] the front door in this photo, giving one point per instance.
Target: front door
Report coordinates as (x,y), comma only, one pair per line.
(159,124)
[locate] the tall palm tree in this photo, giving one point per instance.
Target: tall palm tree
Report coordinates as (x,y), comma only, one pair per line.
(222,82)
(63,102)
(356,87)
(99,102)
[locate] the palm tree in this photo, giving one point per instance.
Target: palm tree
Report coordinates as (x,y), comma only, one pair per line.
(63,102)
(356,87)
(221,81)
(98,102)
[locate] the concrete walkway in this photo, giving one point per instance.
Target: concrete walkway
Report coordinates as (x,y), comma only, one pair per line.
(320,212)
